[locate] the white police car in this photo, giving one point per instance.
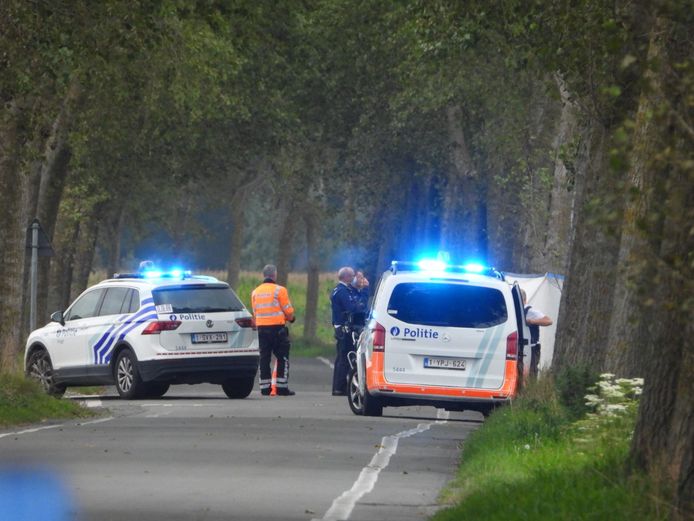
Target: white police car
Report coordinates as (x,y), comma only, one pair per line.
(439,335)
(144,332)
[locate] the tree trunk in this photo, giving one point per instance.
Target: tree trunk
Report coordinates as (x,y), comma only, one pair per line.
(663,441)
(84,256)
(628,326)
(53,175)
(560,208)
(238,207)
(460,226)
(12,235)
(285,243)
(586,305)
(312,222)
(663,209)
(116,230)
(62,268)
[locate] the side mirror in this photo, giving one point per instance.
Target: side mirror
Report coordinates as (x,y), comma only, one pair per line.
(58,317)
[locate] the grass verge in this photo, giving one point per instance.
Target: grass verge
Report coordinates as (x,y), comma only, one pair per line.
(531,460)
(23,401)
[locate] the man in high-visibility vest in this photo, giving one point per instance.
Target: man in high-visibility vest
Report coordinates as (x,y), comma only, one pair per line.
(272,310)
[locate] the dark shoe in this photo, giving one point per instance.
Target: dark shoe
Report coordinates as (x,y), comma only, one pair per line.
(285,392)
(339,393)
(265,392)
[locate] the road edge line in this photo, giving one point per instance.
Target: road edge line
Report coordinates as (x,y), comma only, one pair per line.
(342,506)
(326,362)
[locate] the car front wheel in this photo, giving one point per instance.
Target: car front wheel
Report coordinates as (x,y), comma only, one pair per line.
(40,369)
(128,382)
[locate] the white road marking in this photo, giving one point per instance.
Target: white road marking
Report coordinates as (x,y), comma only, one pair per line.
(29,431)
(343,505)
(326,362)
(178,405)
(37,429)
(100,420)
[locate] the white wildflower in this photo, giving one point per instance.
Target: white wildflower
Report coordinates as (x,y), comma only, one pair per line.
(526,446)
(607,376)
(616,407)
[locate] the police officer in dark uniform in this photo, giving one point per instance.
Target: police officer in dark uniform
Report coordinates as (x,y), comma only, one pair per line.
(349,302)
(534,318)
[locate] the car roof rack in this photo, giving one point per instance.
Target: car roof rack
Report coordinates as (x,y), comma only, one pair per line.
(440,267)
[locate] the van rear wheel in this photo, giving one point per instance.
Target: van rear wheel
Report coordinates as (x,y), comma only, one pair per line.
(362,405)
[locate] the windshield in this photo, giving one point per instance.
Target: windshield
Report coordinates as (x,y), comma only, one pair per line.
(198,299)
(454,305)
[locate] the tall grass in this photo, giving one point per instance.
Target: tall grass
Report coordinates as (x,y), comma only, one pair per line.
(23,401)
(531,461)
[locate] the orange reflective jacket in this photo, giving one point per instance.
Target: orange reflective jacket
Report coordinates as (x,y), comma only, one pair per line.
(271,305)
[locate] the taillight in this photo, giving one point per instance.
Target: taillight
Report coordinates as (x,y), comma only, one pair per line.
(154,328)
(246,322)
(512,346)
(379,336)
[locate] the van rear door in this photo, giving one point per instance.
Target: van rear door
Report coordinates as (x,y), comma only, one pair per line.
(210,317)
(446,333)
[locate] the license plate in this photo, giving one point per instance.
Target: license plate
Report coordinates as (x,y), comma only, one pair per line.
(209,338)
(445,363)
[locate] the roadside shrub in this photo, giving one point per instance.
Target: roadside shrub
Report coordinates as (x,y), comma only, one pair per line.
(572,384)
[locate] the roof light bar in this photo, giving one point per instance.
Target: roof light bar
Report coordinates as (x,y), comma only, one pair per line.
(438,266)
(156,274)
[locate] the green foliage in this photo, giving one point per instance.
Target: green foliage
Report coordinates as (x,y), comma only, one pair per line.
(23,401)
(572,386)
(532,461)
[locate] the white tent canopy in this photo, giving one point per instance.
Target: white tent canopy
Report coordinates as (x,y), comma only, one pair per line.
(544,294)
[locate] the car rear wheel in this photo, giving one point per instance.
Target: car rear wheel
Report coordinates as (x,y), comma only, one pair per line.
(363,405)
(128,382)
(40,369)
(156,389)
(238,388)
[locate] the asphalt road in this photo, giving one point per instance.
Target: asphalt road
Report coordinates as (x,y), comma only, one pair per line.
(196,455)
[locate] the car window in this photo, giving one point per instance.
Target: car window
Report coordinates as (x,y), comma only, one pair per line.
(113,301)
(198,299)
(132,302)
(85,306)
(454,305)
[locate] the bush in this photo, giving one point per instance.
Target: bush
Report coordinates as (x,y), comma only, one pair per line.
(572,385)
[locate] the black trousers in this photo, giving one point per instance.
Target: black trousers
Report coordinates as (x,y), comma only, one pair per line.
(343,346)
(534,360)
(274,340)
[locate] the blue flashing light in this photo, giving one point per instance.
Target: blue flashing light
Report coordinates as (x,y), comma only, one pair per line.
(473,267)
(432,265)
(175,273)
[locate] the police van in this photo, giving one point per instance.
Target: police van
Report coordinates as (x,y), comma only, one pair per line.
(144,332)
(439,335)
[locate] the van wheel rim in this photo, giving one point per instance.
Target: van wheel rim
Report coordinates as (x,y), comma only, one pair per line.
(354,394)
(42,371)
(125,374)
